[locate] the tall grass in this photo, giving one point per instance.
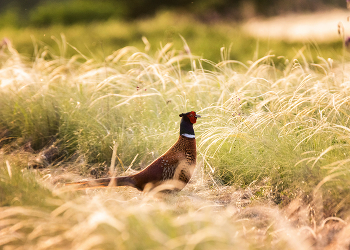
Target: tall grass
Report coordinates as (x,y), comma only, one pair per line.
(288,129)
(280,133)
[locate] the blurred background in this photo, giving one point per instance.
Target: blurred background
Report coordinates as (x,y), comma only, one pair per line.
(248,28)
(45,12)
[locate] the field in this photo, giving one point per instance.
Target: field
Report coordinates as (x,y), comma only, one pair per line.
(273,140)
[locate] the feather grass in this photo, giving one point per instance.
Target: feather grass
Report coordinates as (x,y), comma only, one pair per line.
(278,136)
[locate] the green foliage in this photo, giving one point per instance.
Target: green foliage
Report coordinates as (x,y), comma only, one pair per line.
(31,115)
(71,12)
(98,40)
(19,186)
(10,18)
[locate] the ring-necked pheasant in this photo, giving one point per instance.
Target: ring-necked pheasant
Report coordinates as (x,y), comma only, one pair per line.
(176,165)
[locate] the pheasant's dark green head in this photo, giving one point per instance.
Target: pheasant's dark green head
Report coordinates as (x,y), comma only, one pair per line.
(186,124)
(190,116)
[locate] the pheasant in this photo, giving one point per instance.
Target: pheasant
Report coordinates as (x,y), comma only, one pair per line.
(175,166)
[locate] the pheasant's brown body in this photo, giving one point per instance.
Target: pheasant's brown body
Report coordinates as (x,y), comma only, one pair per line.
(176,165)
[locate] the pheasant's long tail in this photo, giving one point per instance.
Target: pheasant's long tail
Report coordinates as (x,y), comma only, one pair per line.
(101,183)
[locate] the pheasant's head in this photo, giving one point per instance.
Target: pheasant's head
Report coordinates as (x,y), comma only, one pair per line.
(190,116)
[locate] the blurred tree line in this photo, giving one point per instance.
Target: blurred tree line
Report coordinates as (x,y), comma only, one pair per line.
(66,12)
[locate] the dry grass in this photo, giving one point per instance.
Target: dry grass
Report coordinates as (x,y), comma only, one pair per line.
(200,217)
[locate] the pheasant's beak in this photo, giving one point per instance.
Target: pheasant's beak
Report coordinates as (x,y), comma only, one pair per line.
(197,116)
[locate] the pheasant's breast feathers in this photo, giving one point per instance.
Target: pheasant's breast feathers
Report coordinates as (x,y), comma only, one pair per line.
(183,149)
(177,163)
(180,160)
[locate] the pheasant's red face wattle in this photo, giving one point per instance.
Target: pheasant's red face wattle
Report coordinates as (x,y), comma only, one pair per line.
(192,117)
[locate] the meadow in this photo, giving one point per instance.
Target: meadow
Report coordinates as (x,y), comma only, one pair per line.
(273,158)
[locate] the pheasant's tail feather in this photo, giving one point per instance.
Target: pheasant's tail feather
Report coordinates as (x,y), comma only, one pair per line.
(92,184)
(101,183)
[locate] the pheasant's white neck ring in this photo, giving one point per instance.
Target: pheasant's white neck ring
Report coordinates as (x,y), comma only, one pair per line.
(188,135)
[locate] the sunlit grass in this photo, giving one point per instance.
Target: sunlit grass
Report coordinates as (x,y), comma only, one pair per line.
(272,150)
(100,219)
